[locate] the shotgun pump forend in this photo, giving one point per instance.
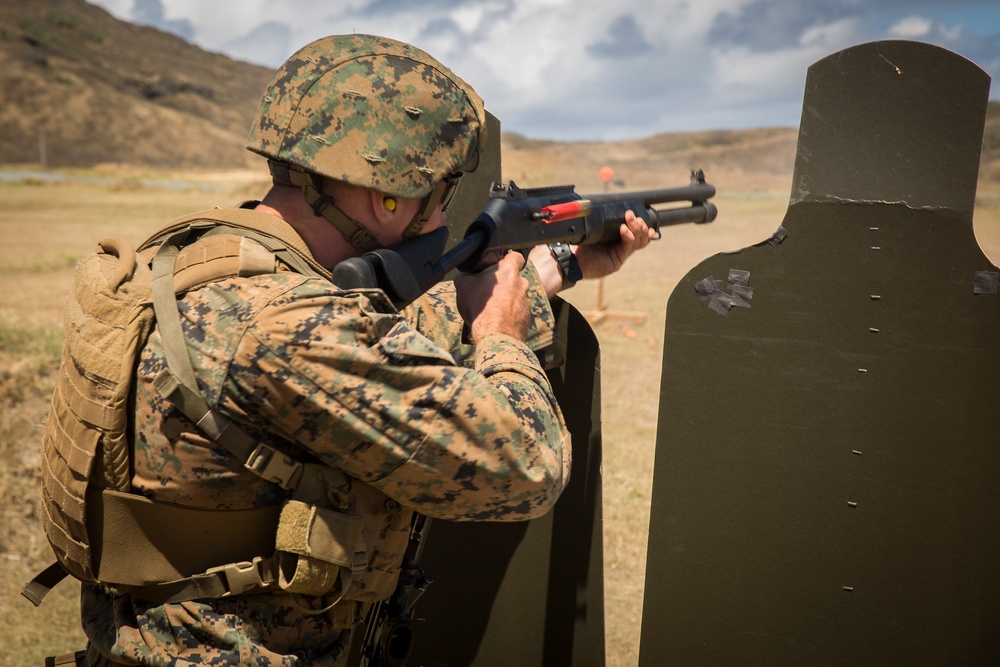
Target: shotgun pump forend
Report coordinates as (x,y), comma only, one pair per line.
(517,218)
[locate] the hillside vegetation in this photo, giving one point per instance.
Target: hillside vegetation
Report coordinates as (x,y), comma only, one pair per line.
(148,108)
(83,88)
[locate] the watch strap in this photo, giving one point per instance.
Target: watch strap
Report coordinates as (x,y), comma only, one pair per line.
(568,265)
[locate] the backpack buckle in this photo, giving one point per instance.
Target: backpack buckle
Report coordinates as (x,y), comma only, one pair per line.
(240,577)
(273,466)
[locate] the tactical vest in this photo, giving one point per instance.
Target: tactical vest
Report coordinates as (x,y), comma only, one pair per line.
(332,536)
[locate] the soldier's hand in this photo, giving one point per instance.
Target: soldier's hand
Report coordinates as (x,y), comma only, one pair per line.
(597,261)
(495,300)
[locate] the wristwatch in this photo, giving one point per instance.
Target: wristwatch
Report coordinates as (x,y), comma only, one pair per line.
(568,265)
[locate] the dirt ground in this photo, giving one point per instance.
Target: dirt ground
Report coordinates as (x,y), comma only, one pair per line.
(48,226)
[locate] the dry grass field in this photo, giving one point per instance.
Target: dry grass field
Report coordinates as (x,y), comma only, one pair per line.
(90,88)
(47,226)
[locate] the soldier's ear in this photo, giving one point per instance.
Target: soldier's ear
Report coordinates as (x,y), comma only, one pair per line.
(384,206)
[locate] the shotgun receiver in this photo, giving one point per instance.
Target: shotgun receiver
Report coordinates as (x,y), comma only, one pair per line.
(518,219)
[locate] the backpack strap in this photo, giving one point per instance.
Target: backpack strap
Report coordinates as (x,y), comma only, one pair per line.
(43,582)
(177,382)
(128,514)
(158,567)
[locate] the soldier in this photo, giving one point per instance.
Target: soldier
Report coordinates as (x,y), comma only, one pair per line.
(376,414)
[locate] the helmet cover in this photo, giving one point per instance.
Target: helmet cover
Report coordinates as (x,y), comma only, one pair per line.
(372,112)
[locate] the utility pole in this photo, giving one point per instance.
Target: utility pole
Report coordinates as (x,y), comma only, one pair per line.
(43,158)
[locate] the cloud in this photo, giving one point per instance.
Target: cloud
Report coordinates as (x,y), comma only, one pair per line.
(592,69)
(831,36)
(270,42)
(625,40)
(911,27)
(150,13)
(769,25)
(456,8)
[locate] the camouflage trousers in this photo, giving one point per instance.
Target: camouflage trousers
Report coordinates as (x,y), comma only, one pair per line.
(88,657)
(91,657)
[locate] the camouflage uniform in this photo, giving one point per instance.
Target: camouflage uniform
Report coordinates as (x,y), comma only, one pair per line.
(394,400)
(410,417)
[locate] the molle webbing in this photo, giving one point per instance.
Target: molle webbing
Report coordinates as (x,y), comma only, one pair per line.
(85,440)
(163,552)
(226,255)
(326,548)
(273,233)
(85,450)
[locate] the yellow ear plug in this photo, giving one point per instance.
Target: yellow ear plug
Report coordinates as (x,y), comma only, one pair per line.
(389,203)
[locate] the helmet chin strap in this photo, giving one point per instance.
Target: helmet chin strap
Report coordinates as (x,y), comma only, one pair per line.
(283,173)
(431,202)
(441,195)
(323,205)
(419,221)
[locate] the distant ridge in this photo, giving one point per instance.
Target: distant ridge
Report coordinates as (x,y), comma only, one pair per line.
(81,88)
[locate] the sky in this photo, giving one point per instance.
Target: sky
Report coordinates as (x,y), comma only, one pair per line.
(598,70)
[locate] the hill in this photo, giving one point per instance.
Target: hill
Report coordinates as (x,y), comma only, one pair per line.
(93,89)
(734,160)
(83,89)
(754,159)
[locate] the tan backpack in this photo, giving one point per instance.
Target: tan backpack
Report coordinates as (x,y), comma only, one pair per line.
(117,295)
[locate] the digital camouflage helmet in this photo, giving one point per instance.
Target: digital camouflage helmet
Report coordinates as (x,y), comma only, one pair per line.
(372,112)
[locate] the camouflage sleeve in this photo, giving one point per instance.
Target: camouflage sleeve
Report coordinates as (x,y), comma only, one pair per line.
(367,393)
(524,436)
(435,315)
